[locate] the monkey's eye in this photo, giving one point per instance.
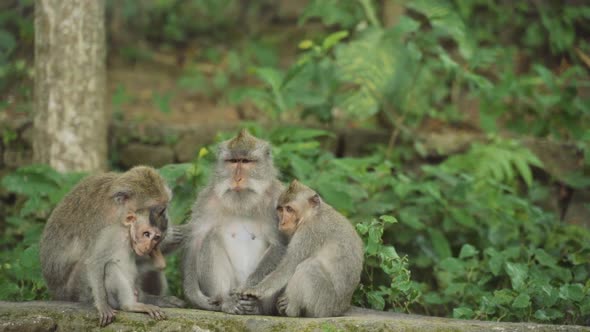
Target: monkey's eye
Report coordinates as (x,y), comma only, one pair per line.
(146,234)
(231,161)
(245,161)
(289,209)
(280,208)
(157,237)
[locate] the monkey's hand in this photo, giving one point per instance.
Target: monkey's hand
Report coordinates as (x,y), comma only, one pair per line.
(282,303)
(175,237)
(154,311)
(106,315)
(234,304)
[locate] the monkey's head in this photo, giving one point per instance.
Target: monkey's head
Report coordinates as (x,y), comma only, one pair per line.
(139,188)
(244,166)
(147,228)
(295,205)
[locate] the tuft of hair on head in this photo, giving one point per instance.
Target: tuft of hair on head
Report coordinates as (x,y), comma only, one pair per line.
(242,142)
(290,194)
(158,217)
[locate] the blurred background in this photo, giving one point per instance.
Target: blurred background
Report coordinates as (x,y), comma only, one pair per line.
(454,134)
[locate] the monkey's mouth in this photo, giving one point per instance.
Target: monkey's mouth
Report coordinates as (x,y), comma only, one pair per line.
(238,189)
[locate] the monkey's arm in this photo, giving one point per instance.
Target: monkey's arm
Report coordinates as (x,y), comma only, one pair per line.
(279,278)
(96,267)
(271,259)
(190,280)
(175,238)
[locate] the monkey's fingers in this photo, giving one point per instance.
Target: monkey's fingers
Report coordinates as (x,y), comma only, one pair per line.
(282,308)
(248,308)
(106,317)
(160,314)
(155,312)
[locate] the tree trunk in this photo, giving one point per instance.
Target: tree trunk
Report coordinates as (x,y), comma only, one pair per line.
(70,76)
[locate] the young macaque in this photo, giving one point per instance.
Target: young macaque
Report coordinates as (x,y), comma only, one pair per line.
(323,263)
(111,267)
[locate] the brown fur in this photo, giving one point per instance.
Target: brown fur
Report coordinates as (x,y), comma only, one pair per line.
(95,203)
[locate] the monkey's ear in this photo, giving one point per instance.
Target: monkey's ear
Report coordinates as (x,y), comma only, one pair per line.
(129,219)
(121,196)
(315,200)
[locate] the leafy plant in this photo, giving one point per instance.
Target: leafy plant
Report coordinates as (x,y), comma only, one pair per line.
(401,292)
(41,188)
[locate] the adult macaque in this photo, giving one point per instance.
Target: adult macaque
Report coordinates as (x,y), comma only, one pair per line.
(97,202)
(234,241)
(322,265)
(111,269)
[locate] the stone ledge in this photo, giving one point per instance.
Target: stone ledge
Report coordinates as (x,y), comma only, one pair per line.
(65,316)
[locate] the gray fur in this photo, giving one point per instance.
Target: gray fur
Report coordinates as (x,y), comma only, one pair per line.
(209,273)
(321,268)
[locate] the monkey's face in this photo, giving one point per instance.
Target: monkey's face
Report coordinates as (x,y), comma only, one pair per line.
(146,231)
(244,168)
(239,170)
(289,218)
(144,238)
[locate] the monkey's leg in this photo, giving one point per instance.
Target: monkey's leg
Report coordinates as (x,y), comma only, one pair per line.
(175,238)
(208,275)
(121,293)
(310,292)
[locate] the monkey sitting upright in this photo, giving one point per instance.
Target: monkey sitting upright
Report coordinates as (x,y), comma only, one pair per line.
(111,270)
(323,263)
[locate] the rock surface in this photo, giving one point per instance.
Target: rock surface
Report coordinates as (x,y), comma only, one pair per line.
(65,316)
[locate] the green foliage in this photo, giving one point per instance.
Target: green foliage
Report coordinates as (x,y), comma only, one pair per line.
(40,188)
(501,161)
(382,261)
(344,13)
(16,34)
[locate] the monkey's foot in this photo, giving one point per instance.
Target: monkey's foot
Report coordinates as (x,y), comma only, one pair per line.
(154,311)
(106,315)
(232,304)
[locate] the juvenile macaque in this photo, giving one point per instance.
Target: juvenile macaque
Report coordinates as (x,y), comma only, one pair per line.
(97,202)
(234,241)
(322,265)
(111,269)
